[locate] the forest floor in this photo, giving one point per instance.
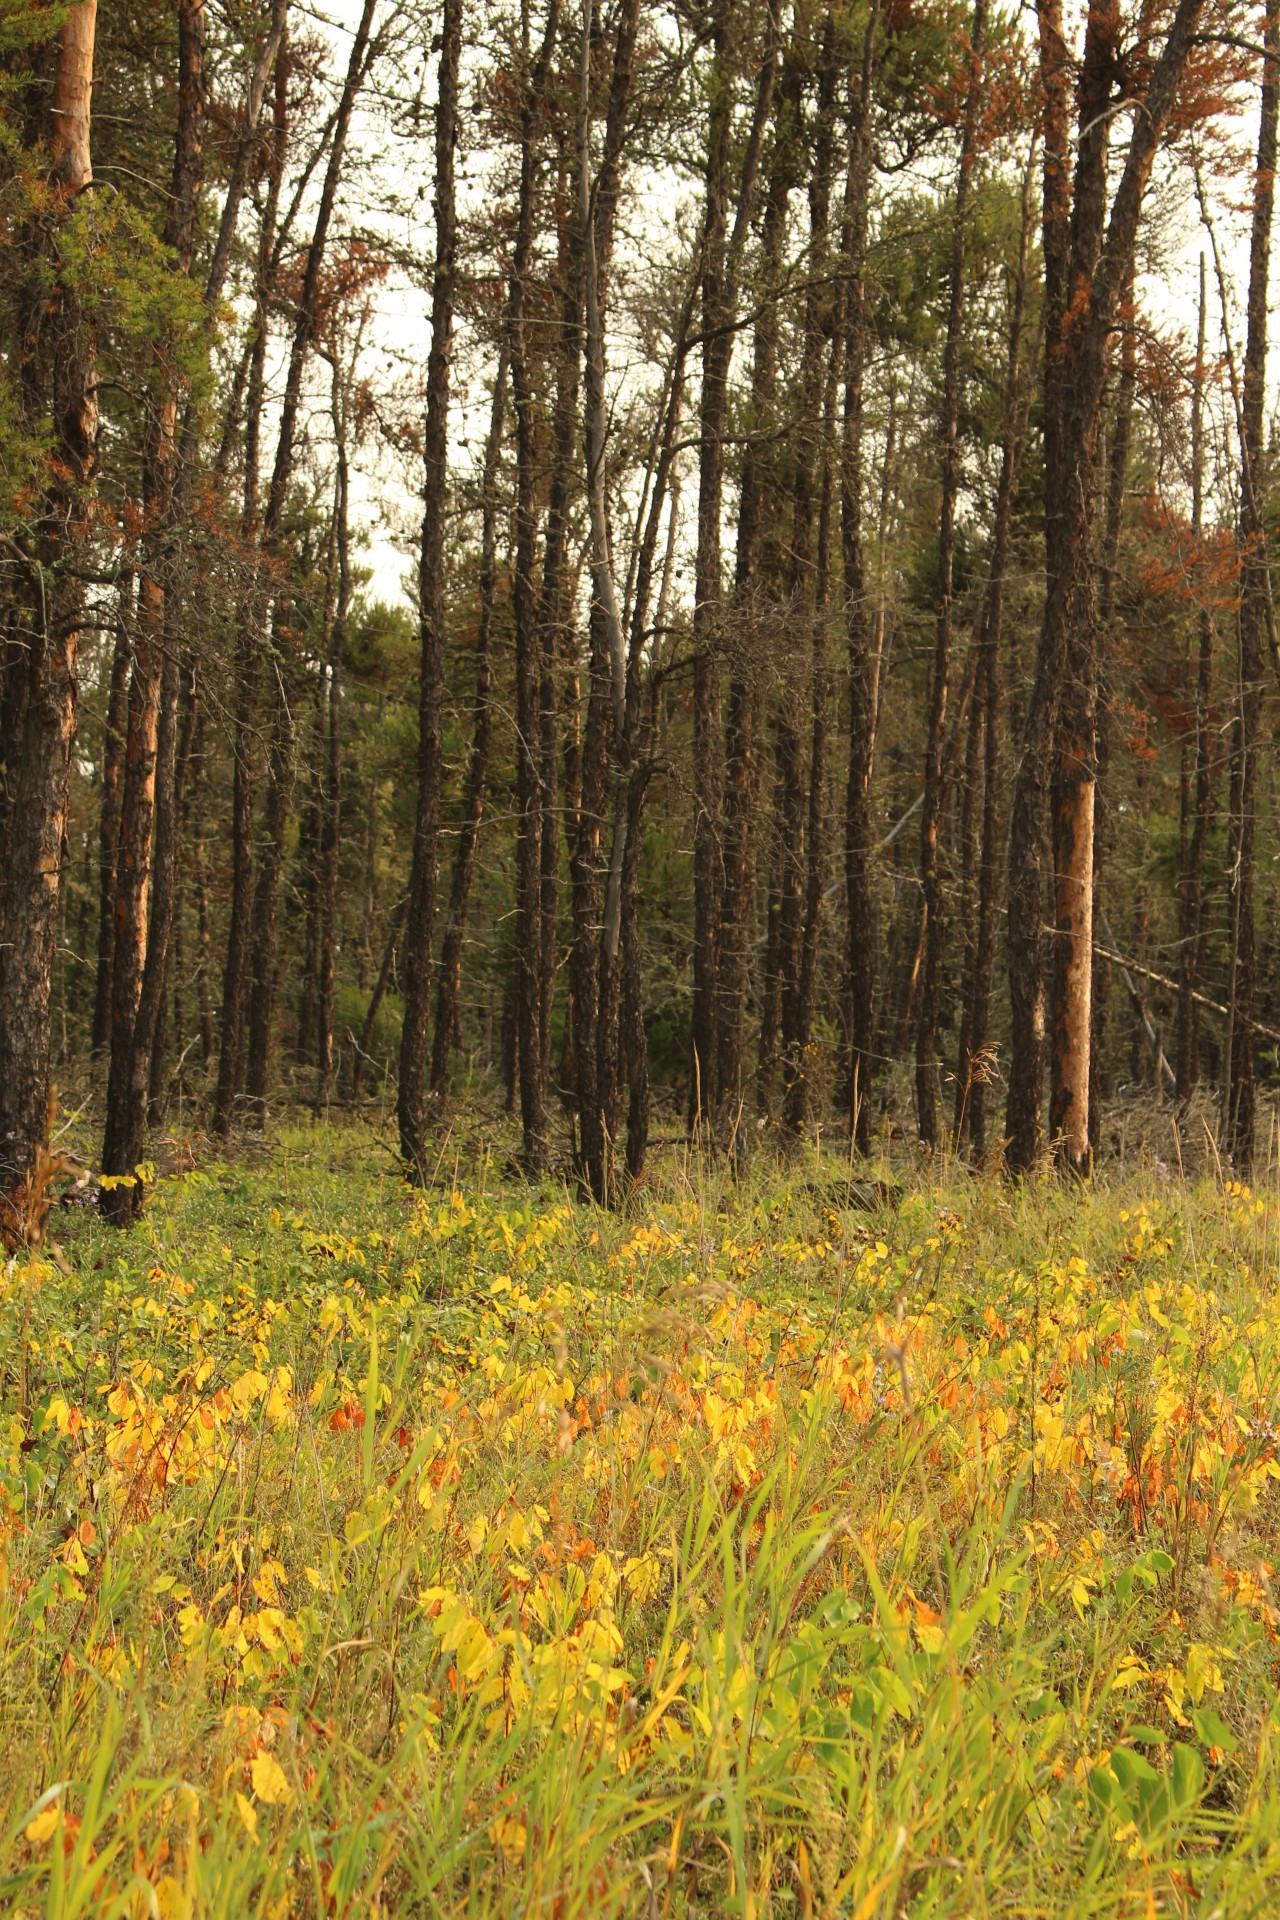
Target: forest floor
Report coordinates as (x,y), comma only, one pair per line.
(477,1553)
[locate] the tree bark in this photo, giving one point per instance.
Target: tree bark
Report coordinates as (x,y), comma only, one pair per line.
(529,784)
(109,815)
(143,903)
(982,912)
(331,808)
(859,838)
(280,765)
(721,253)
(928,1113)
(449,979)
(1087,258)
(58,383)
(420,922)
(248,658)
(1246,739)
(1197,801)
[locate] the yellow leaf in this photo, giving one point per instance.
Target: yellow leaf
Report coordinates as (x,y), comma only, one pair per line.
(41,1828)
(269,1783)
(248,1814)
(510,1834)
(171,1901)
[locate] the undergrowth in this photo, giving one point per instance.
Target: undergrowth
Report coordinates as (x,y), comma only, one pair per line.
(480,1553)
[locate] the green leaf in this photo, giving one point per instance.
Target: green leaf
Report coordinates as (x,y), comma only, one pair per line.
(1188,1775)
(1213,1731)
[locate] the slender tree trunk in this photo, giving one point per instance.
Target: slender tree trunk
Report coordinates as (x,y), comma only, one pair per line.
(756,580)
(824,313)
(265,964)
(529,932)
(927,1090)
(721,256)
(1247,735)
(449,982)
(143,902)
(708,583)
(556,641)
(380,985)
(174,761)
(1197,801)
(859,837)
(331,813)
(1087,259)
(1117,481)
(982,900)
(248,660)
(59,385)
(420,923)
(109,816)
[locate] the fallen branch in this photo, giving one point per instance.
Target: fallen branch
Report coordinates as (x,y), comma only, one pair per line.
(1163,980)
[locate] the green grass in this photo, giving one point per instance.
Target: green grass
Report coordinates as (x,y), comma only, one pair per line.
(480,1553)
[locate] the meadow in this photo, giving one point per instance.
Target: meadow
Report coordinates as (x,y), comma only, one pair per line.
(477,1552)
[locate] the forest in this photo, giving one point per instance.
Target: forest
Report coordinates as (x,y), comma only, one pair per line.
(702,572)
(639,960)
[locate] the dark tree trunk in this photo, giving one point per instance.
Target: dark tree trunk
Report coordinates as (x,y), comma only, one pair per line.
(529,932)
(1247,732)
(174,764)
(143,898)
(266,899)
(757,577)
(1117,481)
(721,259)
(380,986)
(859,837)
(824,315)
(248,656)
(982,864)
(420,922)
(449,982)
(109,817)
(331,795)
(58,384)
(1087,259)
(930,1006)
(1197,800)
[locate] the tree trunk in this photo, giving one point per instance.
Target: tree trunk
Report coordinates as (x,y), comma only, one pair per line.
(1196,802)
(756,580)
(721,258)
(1088,255)
(810,577)
(421,918)
(109,816)
(930,1006)
(58,384)
(982,913)
(143,910)
(266,899)
(859,838)
(449,982)
(1246,740)
(331,807)
(235,975)
(528,995)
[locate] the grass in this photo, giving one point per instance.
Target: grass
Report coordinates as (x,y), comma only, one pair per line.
(479,1553)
